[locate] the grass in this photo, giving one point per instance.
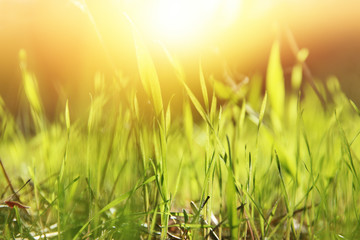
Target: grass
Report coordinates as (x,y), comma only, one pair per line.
(259,166)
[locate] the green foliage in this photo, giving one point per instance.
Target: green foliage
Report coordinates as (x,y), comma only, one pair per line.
(260,166)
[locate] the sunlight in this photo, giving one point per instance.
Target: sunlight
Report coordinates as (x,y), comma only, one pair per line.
(178,19)
(186,20)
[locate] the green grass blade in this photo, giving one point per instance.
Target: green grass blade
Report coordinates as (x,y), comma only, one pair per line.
(67,115)
(153,223)
(346,148)
(32,91)
(262,110)
(178,178)
(203,88)
(107,207)
(231,205)
(188,122)
(147,70)
(283,185)
(275,84)
(181,77)
(354,107)
(198,106)
(213,108)
(168,117)
(112,204)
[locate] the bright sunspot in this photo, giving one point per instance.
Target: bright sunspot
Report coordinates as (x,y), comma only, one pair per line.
(188,20)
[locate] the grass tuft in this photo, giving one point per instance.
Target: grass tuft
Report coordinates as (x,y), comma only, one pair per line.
(272,166)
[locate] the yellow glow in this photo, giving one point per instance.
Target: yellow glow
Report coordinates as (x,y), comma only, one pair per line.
(177,19)
(187,20)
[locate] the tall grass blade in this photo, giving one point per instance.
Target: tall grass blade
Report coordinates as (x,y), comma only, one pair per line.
(181,77)
(168,117)
(283,185)
(32,92)
(231,205)
(213,108)
(147,70)
(275,84)
(188,122)
(262,111)
(346,148)
(198,106)
(67,115)
(203,88)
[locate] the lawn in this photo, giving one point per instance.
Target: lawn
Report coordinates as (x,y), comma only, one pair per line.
(256,161)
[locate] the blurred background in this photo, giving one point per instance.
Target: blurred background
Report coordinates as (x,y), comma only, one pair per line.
(68,42)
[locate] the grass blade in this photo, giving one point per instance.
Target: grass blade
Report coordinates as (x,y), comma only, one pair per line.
(147,70)
(203,88)
(275,84)
(231,205)
(262,111)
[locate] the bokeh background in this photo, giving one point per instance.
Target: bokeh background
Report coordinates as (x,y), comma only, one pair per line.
(68,42)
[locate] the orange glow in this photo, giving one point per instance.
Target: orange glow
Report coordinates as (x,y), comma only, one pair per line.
(66,47)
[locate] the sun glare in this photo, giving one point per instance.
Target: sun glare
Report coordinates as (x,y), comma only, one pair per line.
(188,20)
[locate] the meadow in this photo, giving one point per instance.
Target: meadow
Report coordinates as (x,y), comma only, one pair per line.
(252,161)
